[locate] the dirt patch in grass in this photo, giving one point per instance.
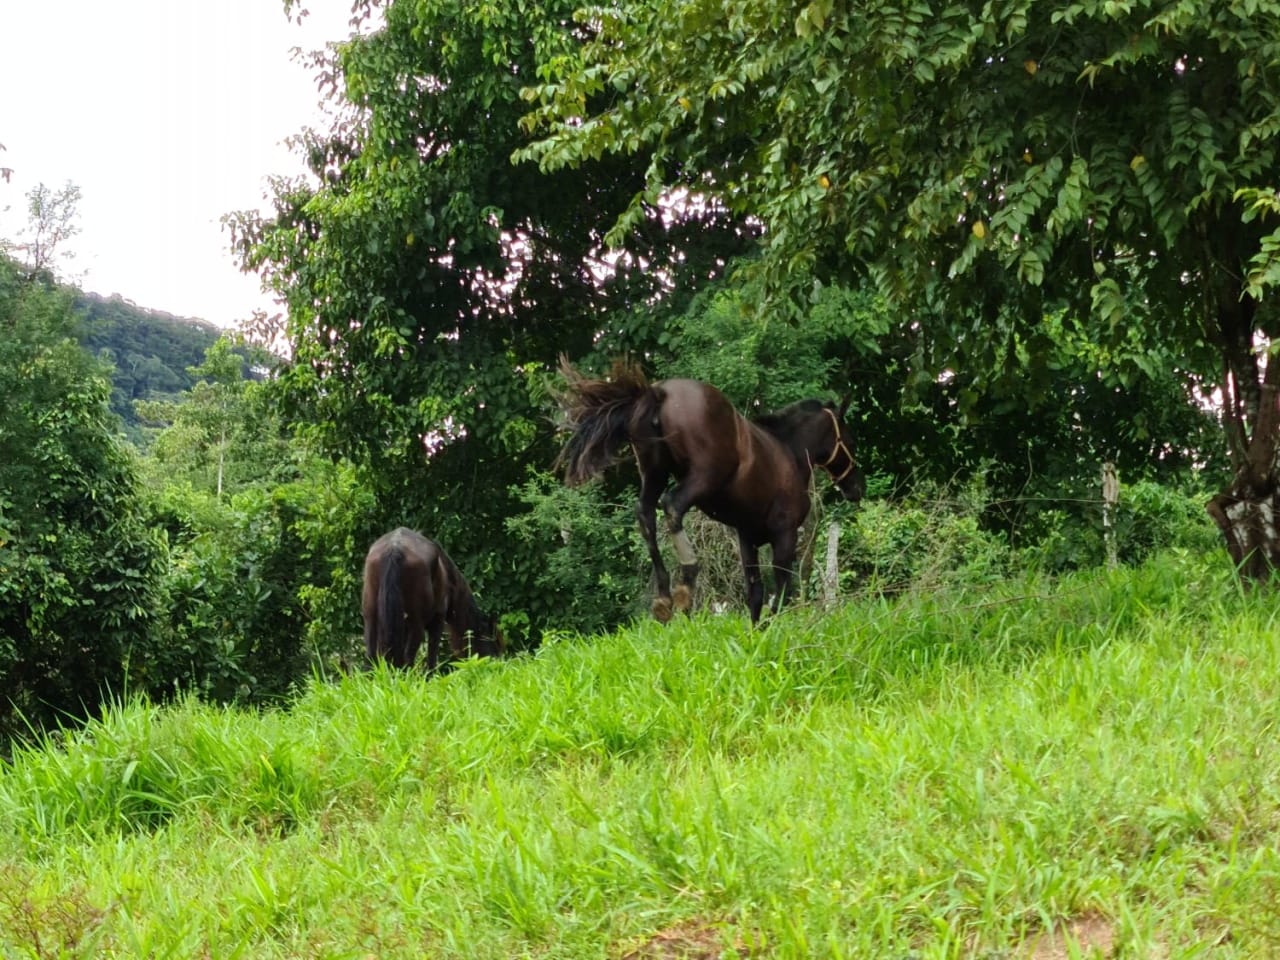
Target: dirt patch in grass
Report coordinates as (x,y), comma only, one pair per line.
(43,921)
(692,939)
(1093,936)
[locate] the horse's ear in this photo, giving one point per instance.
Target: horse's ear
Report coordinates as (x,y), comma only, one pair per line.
(844,405)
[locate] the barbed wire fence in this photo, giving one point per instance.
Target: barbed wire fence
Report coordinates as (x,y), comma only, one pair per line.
(941,543)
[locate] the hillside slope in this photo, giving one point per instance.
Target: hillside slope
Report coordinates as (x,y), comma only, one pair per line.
(150,350)
(1039,770)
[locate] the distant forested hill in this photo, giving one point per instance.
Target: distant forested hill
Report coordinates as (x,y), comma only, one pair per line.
(150,350)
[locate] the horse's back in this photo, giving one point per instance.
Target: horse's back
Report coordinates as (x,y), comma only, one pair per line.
(693,400)
(750,479)
(699,424)
(424,571)
(696,422)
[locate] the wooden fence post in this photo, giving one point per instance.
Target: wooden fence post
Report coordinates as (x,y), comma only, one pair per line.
(831,575)
(1110,498)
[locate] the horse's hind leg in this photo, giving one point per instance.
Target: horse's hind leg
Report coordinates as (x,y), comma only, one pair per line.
(412,641)
(369,612)
(370,635)
(651,484)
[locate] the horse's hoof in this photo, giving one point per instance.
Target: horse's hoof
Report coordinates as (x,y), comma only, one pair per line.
(661,608)
(683,598)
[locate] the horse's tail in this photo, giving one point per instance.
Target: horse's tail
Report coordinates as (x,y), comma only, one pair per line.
(391,604)
(598,415)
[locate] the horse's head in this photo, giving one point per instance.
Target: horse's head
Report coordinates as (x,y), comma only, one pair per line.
(487,639)
(815,433)
(834,453)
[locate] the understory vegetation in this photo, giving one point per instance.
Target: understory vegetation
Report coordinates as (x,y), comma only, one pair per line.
(222,556)
(1083,764)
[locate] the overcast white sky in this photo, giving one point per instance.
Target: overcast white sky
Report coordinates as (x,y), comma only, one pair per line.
(167,114)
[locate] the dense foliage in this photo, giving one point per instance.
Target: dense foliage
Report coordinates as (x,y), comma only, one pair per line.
(987,167)
(432,274)
(254,522)
(158,573)
(431,283)
(80,566)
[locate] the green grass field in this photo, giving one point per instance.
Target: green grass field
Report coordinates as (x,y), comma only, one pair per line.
(1048,768)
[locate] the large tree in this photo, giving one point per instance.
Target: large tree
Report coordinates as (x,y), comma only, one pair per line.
(985,164)
(430,281)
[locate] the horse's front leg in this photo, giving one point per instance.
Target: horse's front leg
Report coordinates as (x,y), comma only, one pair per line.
(675,504)
(434,635)
(460,643)
(784,560)
(646,514)
(750,554)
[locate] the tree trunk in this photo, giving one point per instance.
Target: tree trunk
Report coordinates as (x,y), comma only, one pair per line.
(1249,526)
(1248,510)
(222,451)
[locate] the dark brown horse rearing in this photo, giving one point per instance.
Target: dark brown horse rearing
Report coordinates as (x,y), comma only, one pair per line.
(412,588)
(752,476)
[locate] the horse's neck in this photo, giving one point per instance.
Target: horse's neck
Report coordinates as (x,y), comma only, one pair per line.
(466,616)
(798,453)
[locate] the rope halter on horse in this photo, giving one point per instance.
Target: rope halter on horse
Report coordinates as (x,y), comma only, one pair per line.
(838,448)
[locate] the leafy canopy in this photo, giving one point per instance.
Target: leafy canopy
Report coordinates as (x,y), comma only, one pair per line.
(982,163)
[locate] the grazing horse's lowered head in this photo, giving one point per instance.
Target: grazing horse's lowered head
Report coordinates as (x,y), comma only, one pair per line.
(411,590)
(695,450)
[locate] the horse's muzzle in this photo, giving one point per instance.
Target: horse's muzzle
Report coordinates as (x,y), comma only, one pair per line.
(854,486)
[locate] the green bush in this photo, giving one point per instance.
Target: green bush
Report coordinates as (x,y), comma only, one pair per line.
(335,521)
(239,593)
(594,566)
(1149,517)
(80,567)
(919,543)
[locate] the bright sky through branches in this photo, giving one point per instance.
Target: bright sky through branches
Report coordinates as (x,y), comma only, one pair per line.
(167,115)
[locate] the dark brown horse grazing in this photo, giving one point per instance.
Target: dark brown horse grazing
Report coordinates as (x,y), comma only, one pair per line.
(752,476)
(411,587)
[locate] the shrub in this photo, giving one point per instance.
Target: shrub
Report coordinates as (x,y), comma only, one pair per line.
(240,589)
(593,564)
(920,543)
(1149,517)
(80,566)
